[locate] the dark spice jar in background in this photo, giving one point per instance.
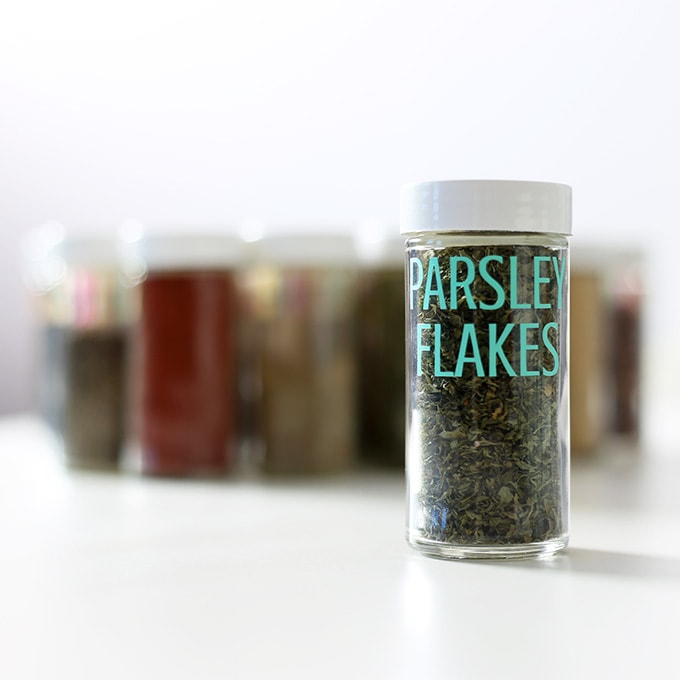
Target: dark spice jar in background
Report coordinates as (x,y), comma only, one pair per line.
(302,289)
(381,375)
(185,354)
(84,311)
(625,297)
(607,302)
(487,270)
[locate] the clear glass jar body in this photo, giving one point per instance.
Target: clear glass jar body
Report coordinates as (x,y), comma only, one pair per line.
(607,311)
(587,383)
(381,364)
(625,312)
(487,393)
(304,363)
(83,340)
(186,372)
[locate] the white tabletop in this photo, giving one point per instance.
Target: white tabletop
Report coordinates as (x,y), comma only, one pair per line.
(113,576)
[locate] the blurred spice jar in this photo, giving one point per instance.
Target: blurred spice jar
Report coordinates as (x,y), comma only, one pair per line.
(302,291)
(186,346)
(83,304)
(607,294)
(381,381)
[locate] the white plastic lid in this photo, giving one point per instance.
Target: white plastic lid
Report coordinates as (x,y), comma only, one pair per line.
(302,248)
(175,248)
(50,250)
(486,205)
(89,250)
(84,247)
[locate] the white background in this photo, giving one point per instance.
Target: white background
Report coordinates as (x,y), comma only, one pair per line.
(316,112)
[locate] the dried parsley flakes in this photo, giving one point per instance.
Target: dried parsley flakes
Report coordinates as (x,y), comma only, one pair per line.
(487,412)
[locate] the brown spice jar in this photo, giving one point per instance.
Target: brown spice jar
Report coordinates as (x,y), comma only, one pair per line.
(187,372)
(307,363)
(303,294)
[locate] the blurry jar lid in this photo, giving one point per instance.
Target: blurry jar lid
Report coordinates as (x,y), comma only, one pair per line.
(604,258)
(620,270)
(50,249)
(179,248)
(291,247)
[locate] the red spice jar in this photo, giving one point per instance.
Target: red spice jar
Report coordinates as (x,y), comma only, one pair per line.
(186,347)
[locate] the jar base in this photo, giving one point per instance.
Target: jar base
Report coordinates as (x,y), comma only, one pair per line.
(455,551)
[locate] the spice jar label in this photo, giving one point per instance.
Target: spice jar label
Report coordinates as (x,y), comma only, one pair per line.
(500,281)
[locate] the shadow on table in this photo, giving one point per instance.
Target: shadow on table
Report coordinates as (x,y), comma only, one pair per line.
(607,563)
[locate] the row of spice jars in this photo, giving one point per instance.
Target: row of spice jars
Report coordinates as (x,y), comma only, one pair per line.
(202,354)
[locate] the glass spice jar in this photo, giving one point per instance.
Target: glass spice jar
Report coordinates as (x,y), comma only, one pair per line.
(185,353)
(381,399)
(302,289)
(625,301)
(487,363)
(606,289)
(84,311)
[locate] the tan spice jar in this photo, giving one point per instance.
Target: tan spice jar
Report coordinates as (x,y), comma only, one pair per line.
(302,298)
